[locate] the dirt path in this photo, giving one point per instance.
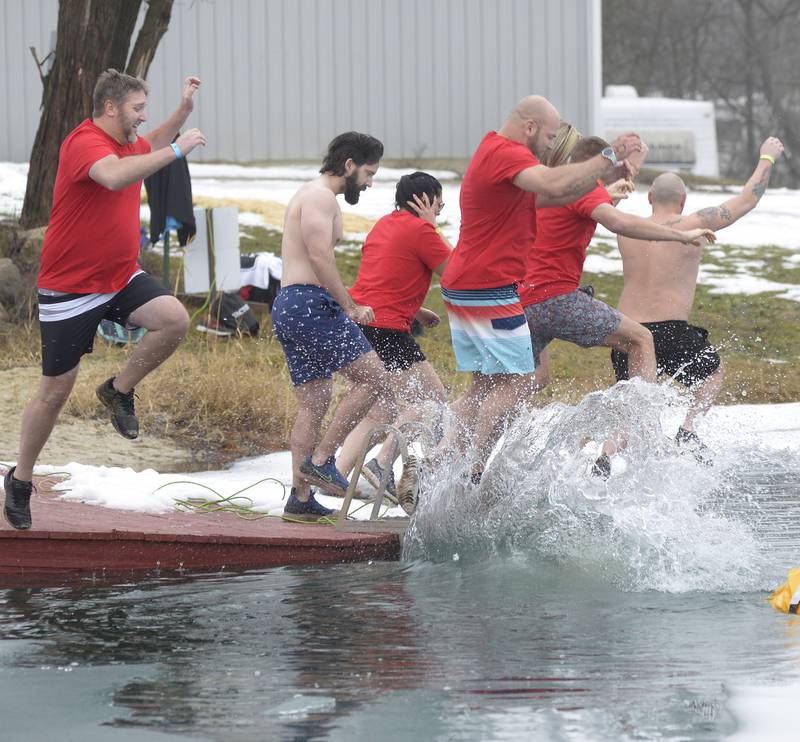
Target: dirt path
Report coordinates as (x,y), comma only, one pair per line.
(85,441)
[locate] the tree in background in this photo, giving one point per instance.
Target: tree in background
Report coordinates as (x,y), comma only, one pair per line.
(91,36)
(741,54)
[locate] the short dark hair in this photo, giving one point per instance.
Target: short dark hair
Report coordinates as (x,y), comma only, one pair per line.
(360,148)
(587,148)
(114,86)
(416,184)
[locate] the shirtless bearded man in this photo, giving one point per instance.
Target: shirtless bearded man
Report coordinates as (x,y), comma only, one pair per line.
(315,319)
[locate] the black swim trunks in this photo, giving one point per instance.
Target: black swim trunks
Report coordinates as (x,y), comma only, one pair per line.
(682,351)
(68,322)
(397,349)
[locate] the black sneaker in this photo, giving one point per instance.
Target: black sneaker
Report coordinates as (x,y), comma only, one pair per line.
(18,501)
(602,467)
(688,439)
(373,472)
(309,510)
(123,416)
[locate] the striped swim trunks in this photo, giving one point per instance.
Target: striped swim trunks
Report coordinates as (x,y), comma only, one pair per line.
(489,331)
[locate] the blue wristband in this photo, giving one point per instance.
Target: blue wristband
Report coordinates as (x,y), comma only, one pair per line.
(177,150)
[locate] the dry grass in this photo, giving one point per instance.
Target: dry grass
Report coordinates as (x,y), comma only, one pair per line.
(235,397)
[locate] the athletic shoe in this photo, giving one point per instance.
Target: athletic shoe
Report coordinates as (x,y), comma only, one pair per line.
(309,510)
(408,486)
(602,467)
(123,416)
(373,472)
(18,501)
(326,476)
(688,439)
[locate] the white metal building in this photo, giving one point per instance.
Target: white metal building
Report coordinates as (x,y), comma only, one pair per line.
(282,77)
(681,134)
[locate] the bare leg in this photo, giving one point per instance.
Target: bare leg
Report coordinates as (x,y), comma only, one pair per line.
(368,377)
(420,383)
(313,400)
(380,413)
(495,398)
(166,322)
(704,395)
(39,418)
(637,341)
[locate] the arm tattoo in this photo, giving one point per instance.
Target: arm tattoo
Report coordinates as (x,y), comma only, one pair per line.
(760,187)
(715,214)
(585,184)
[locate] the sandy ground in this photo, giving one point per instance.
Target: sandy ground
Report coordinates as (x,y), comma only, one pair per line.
(86,441)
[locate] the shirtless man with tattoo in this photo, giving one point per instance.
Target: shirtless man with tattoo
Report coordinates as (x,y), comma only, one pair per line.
(660,280)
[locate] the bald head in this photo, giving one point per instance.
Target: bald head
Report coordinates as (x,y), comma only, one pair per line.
(533,122)
(534,108)
(667,189)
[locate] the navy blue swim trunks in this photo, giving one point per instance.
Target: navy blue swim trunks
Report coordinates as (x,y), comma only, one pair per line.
(318,338)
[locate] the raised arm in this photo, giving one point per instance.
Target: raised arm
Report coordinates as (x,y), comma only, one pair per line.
(629,225)
(165,132)
(718,217)
(567,183)
(116,173)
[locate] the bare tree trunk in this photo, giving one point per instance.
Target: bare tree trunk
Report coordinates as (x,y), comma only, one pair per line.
(92,36)
(155,25)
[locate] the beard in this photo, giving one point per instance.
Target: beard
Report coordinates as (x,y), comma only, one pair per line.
(129,131)
(352,191)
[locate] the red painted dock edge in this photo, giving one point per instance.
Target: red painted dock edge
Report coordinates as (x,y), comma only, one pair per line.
(71,537)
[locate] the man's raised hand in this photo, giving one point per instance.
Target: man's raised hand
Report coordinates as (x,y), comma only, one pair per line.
(190,86)
(189,140)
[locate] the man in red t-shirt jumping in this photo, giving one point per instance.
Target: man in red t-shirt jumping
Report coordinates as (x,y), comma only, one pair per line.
(554,305)
(401,253)
(89,270)
(498,225)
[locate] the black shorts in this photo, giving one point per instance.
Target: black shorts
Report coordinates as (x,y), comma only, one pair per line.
(68,322)
(397,349)
(682,351)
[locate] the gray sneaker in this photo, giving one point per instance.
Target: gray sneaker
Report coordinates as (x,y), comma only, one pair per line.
(123,416)
(373,472)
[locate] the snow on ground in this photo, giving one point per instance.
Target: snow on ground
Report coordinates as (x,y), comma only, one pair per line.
(775,426)
(266,481)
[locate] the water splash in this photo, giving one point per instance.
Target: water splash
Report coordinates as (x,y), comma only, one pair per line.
(663,521)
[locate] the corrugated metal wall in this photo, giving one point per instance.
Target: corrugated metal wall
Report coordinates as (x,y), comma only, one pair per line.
(282,77)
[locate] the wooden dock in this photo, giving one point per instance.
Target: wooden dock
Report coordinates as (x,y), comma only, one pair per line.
(71,538)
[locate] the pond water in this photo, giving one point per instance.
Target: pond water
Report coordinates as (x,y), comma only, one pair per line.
(541,605)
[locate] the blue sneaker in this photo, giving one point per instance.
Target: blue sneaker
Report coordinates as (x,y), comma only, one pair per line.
(326,476)
(309,510)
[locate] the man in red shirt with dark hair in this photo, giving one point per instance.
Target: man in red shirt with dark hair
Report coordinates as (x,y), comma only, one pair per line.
(89,269)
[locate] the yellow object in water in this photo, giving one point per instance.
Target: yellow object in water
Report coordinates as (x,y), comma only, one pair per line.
(786,598)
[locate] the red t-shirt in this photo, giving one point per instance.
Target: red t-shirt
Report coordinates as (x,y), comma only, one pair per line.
(498,220)
(92,241)
(555,263)
(397,260)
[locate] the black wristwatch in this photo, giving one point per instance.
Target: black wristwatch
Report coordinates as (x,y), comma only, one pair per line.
(608,153)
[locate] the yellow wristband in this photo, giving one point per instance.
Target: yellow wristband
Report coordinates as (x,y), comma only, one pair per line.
(770,158)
